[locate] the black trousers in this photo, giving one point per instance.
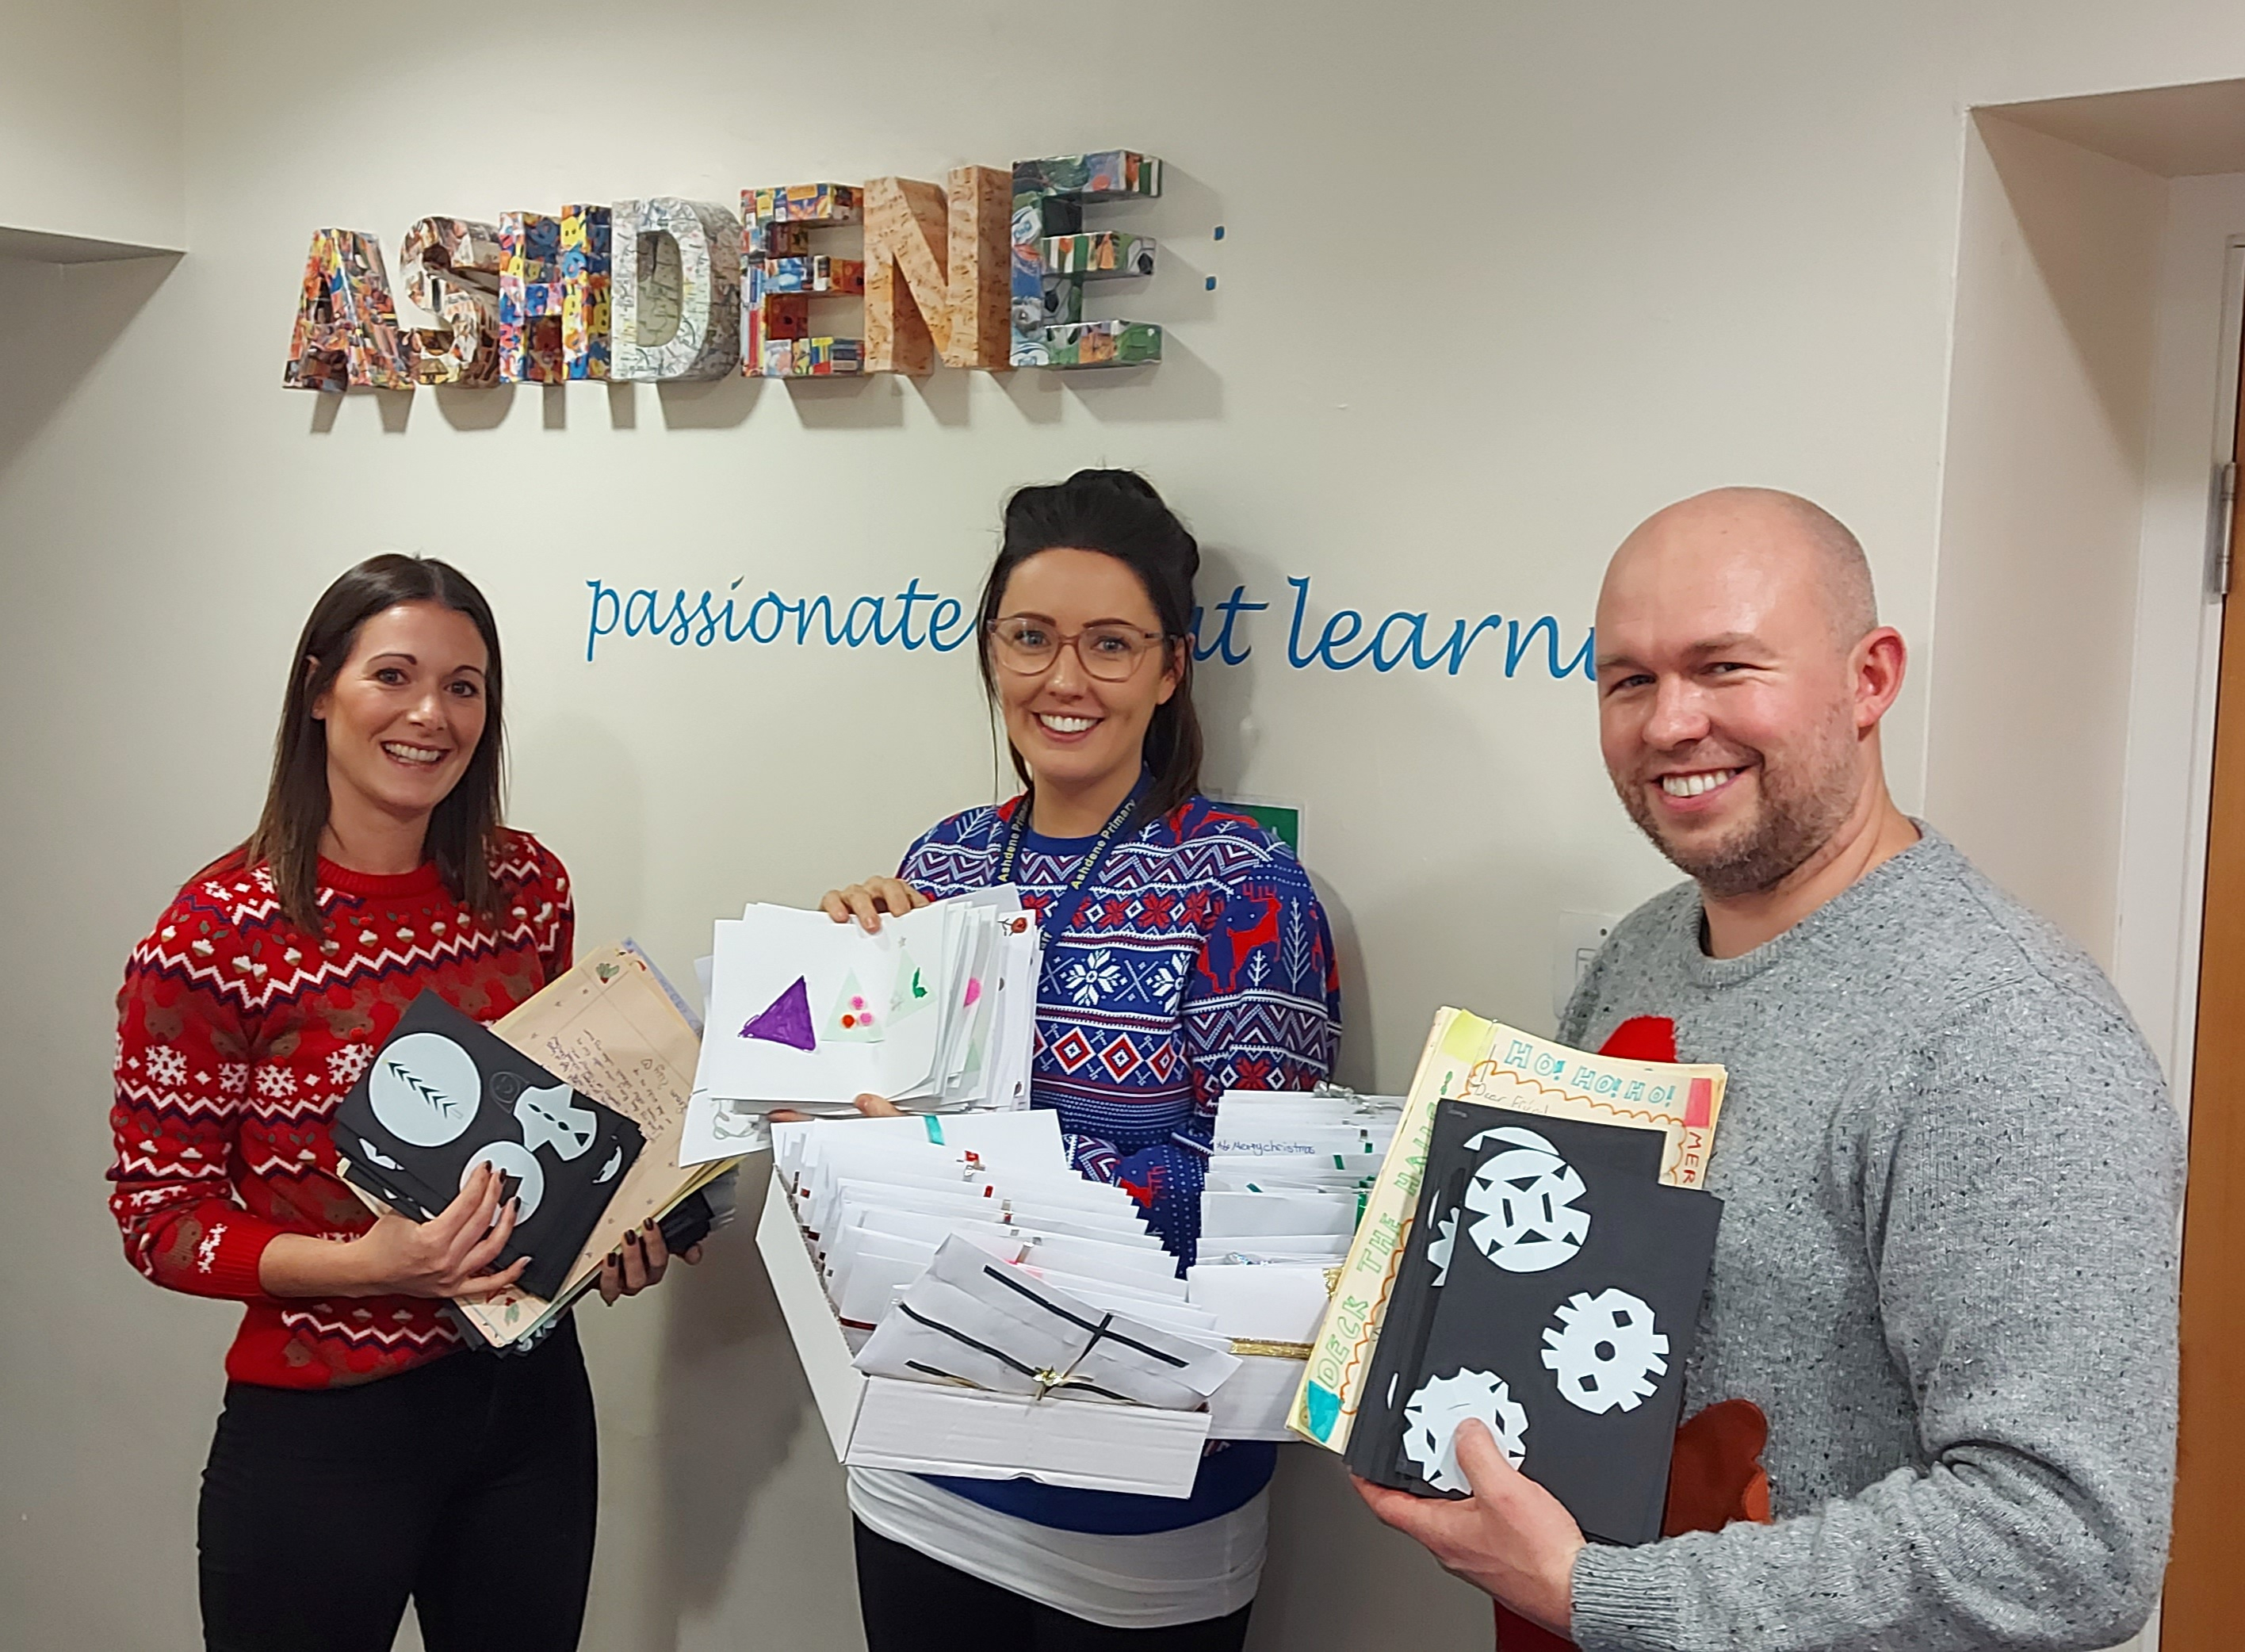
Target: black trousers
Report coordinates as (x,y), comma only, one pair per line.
(469,1486)
(911,1603)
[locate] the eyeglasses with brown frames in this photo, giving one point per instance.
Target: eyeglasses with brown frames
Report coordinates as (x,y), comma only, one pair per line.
(1110,650)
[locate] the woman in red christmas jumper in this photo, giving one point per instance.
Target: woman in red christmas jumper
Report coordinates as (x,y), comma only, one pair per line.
(363,1458)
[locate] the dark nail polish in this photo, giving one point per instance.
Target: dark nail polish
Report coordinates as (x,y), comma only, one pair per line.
(632,1238)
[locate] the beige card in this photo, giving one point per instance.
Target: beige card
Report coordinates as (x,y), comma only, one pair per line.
(610,1030)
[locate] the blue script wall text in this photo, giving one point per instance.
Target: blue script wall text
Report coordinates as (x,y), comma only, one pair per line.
(913,619)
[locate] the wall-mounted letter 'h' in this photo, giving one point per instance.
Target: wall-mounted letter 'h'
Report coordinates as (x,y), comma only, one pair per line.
(553,296)
(1053,257)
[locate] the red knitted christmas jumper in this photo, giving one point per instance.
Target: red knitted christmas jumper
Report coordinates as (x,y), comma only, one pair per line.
(237,1032)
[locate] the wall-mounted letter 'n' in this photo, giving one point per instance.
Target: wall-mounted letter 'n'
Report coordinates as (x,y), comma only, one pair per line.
(346,325)
(553,291)
(677,291)
(784,275)
(952,251)
(450,269)
(1053,257)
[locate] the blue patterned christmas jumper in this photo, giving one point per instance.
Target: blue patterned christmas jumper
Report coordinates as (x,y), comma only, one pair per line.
(1199,961)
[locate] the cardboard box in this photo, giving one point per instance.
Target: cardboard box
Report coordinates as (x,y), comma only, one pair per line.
(927,1428)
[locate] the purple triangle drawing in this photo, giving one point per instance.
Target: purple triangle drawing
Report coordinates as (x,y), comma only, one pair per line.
(788,1019)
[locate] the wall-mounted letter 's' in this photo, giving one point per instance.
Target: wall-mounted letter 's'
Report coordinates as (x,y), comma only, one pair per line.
(1052,257)
(346,324)
(450,269)
(951,250)
(553,291)
(784,275)
(677,289)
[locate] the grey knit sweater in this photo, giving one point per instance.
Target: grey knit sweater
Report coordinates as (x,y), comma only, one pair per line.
(1946,1274)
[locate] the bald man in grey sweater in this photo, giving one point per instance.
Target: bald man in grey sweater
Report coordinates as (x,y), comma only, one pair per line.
(1947,1266)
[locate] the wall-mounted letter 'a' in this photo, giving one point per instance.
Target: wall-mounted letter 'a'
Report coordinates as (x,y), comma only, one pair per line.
(936,271)
(346,325)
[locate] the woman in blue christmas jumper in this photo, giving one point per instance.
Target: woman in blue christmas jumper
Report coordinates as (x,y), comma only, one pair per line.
(1186,954)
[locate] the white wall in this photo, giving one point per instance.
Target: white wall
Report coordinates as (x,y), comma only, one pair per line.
(1497,281)
(2049,421)
(90,96)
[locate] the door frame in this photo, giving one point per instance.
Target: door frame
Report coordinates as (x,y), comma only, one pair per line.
(2165,825)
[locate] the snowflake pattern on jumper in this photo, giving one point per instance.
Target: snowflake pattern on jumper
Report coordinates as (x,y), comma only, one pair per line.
(166,1064)
(345,1065)
(1199,961)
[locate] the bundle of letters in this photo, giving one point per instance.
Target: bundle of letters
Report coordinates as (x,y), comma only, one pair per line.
(577,1098)
(1288,1177)
(878,1199)
(965,1302)
(1288,1174)
(936,1011)
(1533,1255)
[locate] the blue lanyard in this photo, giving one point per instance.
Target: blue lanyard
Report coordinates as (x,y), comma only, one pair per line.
(1060,916)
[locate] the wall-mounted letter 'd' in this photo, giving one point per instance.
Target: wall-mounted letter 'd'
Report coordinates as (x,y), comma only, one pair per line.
(784,275)
(346,324)
(1053,258)
(451,268)
(952,248)
(677,289)
(553,296)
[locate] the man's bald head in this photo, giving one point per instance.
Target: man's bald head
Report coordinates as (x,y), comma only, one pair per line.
(1742,673)
(1766,522)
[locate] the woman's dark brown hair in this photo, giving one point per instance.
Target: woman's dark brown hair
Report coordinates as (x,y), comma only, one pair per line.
(1118,514)
(463,829)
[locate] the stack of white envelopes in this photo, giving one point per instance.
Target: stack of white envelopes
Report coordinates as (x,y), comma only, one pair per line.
(877,1198)
(936,1011)
(1288,1171)
(965,1302)
(1285,1185)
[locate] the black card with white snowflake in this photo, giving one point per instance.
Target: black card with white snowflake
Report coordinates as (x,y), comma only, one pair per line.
(444,1095)
(1558,1296)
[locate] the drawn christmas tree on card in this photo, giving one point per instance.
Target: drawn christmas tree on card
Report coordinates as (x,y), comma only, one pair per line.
(786,1020)
(912,993)
(853,1020)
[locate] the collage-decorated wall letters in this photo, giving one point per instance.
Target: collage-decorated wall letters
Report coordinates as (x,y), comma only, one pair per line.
(987,271)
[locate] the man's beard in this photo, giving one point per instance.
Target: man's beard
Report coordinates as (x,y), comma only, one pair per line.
(1802,805)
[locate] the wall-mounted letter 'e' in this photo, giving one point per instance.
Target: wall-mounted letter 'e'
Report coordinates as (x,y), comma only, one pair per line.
(784,275)
(1053,257)
(677,289)
(553,290)
(936,271)
(449,267)
(346,325)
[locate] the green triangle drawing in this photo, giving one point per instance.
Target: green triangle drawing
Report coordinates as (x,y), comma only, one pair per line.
(913,992)
(855,1019)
